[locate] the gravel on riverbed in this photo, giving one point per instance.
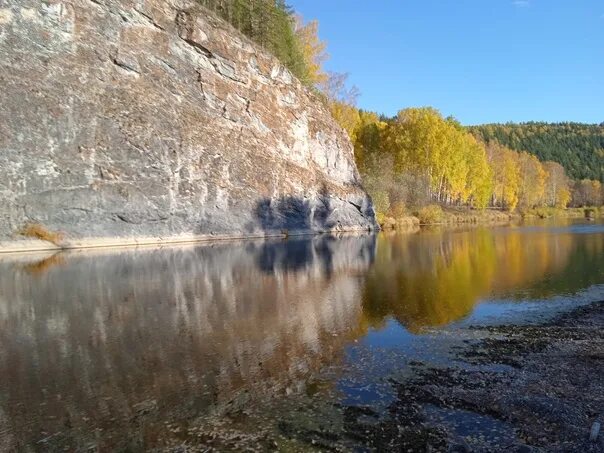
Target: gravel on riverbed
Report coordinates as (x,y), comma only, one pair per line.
(517,388)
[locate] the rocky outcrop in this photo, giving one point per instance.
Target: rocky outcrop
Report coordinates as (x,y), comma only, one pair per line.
(142,120)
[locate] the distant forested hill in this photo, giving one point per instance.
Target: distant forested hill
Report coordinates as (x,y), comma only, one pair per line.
(579,148)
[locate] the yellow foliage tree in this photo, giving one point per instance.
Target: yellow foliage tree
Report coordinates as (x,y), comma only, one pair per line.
(563,198)
(557,190)
(479,179)
(347,116)
(314,51)
(532,180)
(422,141)
(506,175)
(367,136)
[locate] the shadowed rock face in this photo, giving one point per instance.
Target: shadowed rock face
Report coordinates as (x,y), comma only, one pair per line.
(153,118)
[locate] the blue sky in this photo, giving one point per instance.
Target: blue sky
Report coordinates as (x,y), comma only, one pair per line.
(478,60)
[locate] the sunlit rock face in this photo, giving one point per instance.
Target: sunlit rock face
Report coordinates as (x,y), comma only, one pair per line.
(110,339)
(152,118)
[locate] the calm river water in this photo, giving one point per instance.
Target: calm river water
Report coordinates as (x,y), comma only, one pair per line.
(257,344)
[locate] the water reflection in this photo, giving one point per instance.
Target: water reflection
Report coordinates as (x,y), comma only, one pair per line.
(437,277)
(104,348)
(92,340)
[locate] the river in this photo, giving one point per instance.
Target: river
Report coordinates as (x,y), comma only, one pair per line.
(260,344)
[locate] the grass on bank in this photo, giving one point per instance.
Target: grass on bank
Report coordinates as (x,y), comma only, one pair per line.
(38,231)
(437,215)
(575,213)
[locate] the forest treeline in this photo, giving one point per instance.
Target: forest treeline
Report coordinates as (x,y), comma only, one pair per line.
(579,148)
(419,158)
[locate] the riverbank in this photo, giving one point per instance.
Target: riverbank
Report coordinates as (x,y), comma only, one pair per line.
(436,215)
(569,213)
(516,388)
(36,238)
(44,243)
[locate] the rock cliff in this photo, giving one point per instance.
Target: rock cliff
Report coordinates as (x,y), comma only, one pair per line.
(126,121)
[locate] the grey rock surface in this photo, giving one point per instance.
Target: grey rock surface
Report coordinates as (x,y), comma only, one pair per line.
(130,119)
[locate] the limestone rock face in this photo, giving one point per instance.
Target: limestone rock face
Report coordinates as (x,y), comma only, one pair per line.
(131,119)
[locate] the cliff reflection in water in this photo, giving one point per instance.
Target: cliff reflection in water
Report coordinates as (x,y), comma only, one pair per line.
(123,342)
(91,340)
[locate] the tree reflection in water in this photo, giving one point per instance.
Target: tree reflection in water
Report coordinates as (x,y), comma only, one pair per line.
(433,279)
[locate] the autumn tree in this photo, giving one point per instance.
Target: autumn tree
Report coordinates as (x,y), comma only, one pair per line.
(587,192)
(313,50)
(445,160)
(341,100)
(532,181)
(417,140)
(557,189)
(506,175)
(480,176)
(368,134)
